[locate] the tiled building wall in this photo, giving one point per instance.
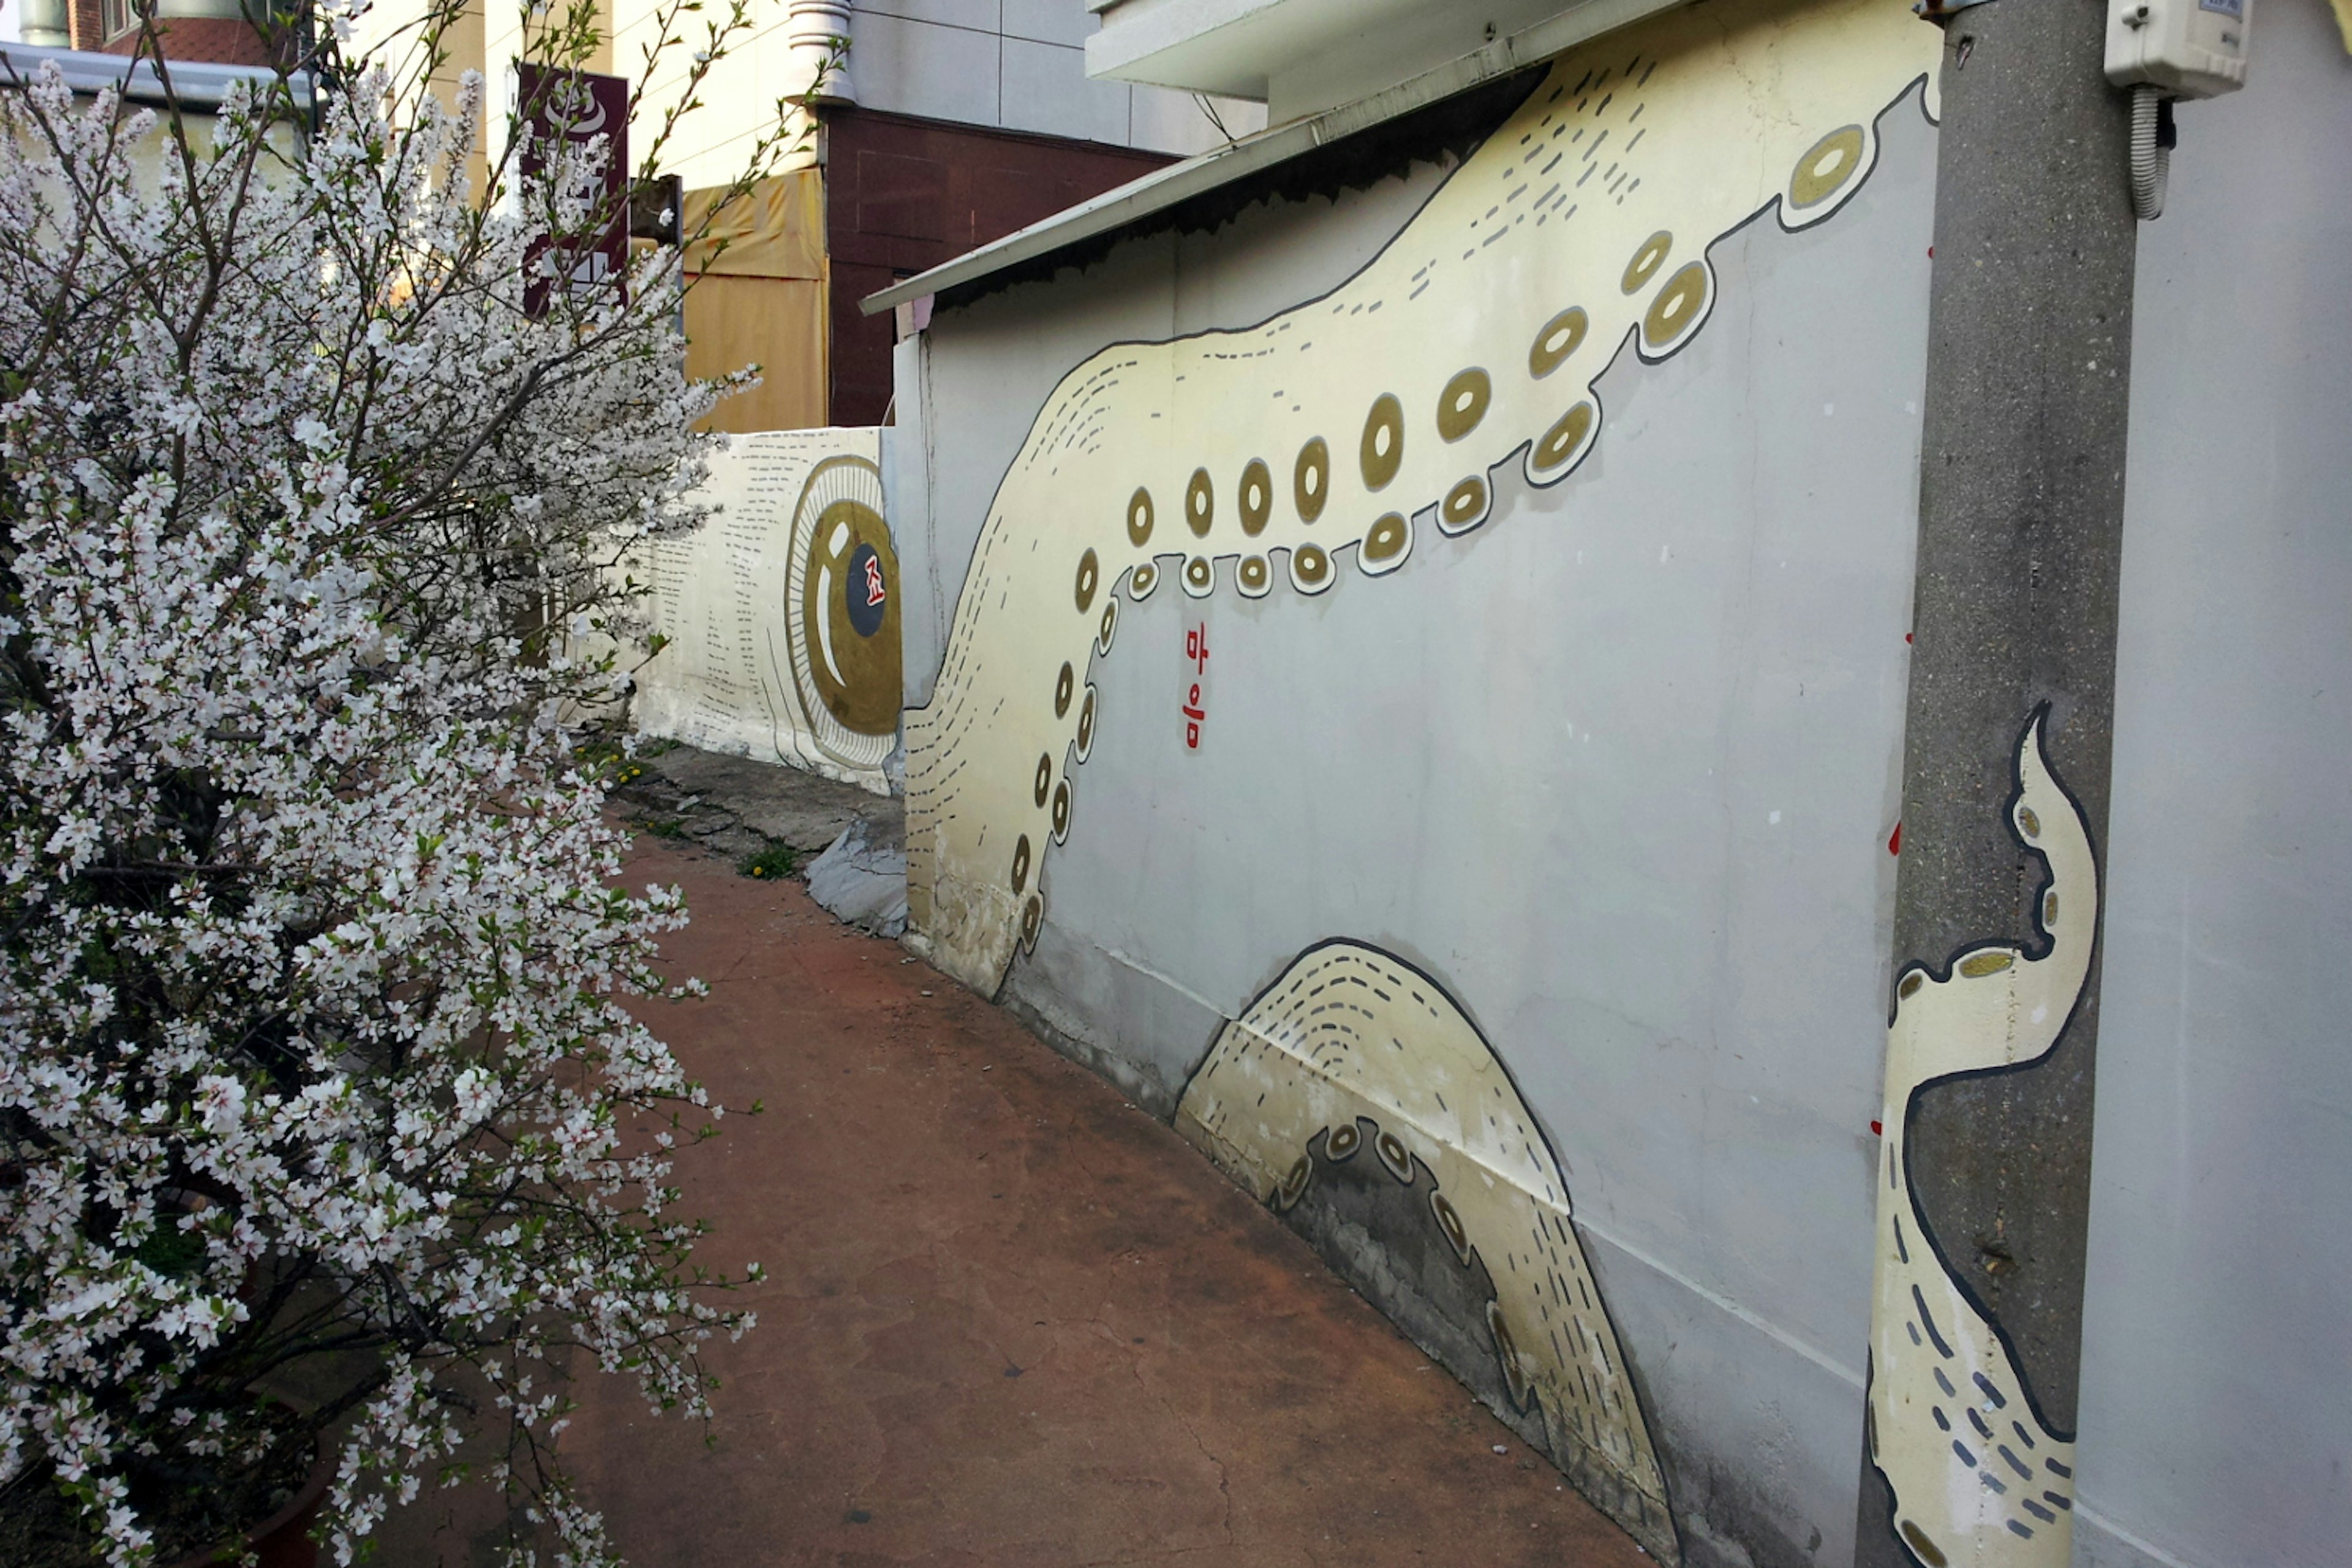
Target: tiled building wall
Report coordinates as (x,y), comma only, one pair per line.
(1020,65)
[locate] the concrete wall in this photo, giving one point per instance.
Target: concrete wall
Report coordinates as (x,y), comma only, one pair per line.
(1613,772)
(2217,1355)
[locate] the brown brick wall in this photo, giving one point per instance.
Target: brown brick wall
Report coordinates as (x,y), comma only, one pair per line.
(85,25)
(220,40)
(904,194)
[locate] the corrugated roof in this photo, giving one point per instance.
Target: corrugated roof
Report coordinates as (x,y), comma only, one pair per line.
(198,84)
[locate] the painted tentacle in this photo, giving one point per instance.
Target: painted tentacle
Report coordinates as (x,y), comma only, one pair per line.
(1336,434)
(1354,1054)
(1977,1473)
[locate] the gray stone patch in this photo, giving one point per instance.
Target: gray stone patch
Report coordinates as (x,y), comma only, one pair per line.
(782,805)
(862,878)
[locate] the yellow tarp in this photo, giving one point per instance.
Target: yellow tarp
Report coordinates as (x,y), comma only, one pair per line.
(777,323)
(774,230)
(760,298)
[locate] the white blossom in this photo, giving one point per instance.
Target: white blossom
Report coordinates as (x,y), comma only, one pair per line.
(315,1003)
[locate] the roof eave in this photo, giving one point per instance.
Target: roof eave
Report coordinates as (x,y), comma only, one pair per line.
(1164,188)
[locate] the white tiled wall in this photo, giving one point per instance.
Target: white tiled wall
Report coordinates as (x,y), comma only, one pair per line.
(1020,65)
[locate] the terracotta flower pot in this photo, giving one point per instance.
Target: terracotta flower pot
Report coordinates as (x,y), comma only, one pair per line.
(283,1538)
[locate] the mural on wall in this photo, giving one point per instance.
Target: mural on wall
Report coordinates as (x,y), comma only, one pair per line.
(1339,437)
(1355,1099)
(1331,442)
(1978,1475)
(782,612)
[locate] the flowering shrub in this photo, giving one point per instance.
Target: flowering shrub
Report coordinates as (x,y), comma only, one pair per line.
(315,1054)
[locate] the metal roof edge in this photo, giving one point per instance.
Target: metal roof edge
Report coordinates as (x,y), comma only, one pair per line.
(197,84)
(1164,188)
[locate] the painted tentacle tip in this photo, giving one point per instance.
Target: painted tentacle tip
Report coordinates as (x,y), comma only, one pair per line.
(2048,821)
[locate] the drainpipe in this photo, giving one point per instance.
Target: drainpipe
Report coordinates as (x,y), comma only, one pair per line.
(816,37)
(817,33)
(46,23)
(2020,515)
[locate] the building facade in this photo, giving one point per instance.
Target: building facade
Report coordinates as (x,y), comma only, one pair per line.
(212,31)
(931,126)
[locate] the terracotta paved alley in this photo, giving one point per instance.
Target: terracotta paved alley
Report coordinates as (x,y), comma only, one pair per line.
(1009,1320)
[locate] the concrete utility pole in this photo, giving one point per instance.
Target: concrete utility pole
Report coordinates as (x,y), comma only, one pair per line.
(2021,517)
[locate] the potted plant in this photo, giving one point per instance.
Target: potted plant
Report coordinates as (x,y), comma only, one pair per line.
(324,1116)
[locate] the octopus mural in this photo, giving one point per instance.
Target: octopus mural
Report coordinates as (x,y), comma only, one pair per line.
(1339,437)
(1979,1475)
(779,617)
(1355,1084)
(1330,442)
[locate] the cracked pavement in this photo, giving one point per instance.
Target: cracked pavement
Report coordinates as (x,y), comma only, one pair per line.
(1009,1320)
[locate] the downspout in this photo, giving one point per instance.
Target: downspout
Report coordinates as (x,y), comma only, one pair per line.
(46,23)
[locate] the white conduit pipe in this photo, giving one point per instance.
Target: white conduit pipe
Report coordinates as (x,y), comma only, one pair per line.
(2149,161)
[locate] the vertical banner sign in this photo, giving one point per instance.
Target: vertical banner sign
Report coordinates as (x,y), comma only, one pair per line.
(583,108)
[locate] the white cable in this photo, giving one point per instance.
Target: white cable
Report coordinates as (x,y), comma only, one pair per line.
(2150,163)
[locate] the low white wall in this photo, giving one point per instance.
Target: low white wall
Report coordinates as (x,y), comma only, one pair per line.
(761,655)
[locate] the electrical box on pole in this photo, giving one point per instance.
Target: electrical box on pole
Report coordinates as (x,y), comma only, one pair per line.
(2168,49)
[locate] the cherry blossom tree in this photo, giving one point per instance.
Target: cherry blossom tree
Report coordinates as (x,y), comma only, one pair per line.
(317,1061)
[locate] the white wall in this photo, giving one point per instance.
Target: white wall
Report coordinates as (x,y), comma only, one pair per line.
(2217,1356)
(749,608)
